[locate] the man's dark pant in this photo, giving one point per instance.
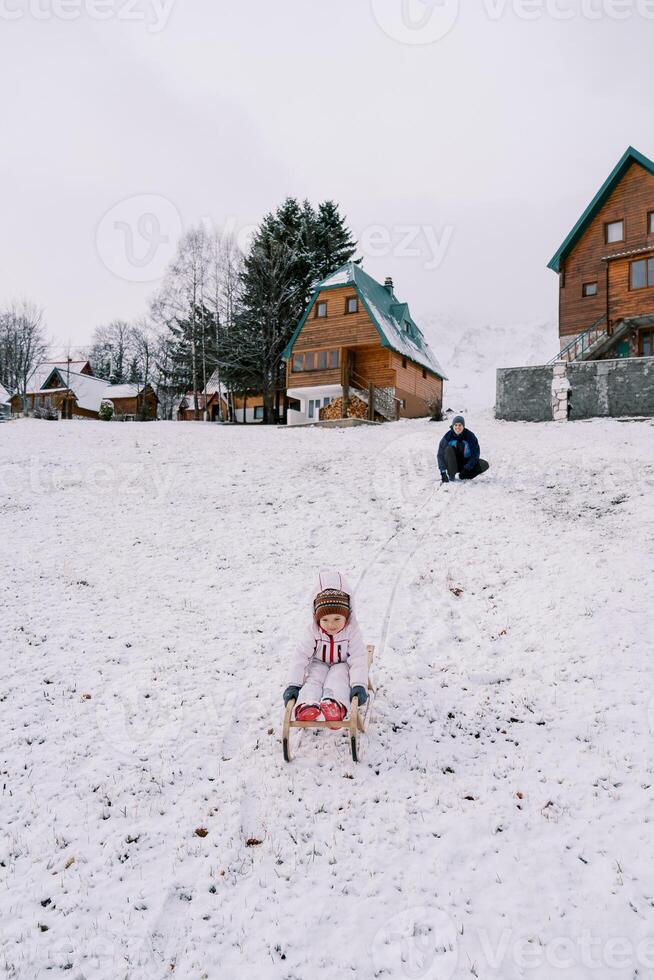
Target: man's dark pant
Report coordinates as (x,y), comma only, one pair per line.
(455,464)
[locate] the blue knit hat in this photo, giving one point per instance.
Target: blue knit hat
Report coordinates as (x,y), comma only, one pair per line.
(459,420)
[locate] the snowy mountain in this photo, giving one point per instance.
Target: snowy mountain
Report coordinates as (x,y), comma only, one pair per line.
(471,354)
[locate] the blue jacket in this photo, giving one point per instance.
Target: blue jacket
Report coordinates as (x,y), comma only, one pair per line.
(465,446)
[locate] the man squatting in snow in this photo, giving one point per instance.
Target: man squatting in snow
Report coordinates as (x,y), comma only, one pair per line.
(330,665)
(458,452)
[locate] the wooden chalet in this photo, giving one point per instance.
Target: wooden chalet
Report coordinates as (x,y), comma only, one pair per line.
(357,352)
(221,405)
(5,403)
(606,269)
(215,405)
(69,389)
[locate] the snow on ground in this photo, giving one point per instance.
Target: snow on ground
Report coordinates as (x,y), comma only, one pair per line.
(500,822)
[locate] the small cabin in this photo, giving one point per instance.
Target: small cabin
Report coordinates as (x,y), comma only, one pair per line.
(69,389)
(358,353)
(606,269)
(221,405)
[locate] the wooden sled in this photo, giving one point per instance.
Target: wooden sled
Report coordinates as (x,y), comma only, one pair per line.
(355,721)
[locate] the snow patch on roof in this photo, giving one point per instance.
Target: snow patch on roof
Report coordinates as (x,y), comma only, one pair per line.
(123,391)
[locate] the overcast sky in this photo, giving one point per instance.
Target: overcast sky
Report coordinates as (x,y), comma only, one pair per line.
(462,144)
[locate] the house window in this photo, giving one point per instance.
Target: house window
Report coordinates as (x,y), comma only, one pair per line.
(647,343)
(424,373)
(641,274)
(589,289)
(650,223)
(352,304)
(316,360)
(258,411)
(407,326)
(327,401)
(614,232)
(404,362)
(321,308)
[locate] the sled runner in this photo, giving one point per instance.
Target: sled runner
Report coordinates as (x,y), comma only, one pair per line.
(355,722)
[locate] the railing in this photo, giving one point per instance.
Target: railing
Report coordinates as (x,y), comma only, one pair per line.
(575,350)
(384,401)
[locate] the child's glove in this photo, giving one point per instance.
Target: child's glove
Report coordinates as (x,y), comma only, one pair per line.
(291,693)
(360,693)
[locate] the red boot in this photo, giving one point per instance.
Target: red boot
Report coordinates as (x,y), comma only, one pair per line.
(333,711)
(307,712)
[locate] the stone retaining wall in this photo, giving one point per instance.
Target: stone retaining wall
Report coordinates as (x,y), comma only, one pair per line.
(576,390)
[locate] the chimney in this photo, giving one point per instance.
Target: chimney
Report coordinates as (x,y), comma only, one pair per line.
(388,284)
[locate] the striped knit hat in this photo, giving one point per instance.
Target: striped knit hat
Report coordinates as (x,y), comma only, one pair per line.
(331,602)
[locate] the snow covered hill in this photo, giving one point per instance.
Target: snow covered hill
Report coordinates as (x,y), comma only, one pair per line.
(499,825)
(471,354)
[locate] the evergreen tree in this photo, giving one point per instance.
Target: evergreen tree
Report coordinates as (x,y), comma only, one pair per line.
(293,248)
(333,244)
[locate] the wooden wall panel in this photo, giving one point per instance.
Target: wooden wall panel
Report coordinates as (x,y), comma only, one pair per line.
(632,199)
(338,328)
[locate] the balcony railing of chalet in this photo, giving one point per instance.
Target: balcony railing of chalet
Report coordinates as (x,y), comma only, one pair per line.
(578,348)
(384,401)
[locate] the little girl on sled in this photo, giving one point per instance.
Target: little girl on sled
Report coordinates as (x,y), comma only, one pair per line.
(330,666)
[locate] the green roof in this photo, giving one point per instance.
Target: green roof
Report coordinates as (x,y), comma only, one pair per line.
(393,321)
(600,199)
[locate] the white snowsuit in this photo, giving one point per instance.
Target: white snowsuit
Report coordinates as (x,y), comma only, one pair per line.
(327,666)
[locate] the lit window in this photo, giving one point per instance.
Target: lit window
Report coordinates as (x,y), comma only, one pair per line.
(352,304)
(614,232)
(589,289)
(321,309)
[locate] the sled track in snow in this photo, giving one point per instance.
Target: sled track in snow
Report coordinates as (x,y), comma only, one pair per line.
(403,555)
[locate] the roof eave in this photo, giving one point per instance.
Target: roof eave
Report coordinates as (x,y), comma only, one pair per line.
(630,156)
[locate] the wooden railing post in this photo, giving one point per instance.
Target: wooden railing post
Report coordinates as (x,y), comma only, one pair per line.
(346,383)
